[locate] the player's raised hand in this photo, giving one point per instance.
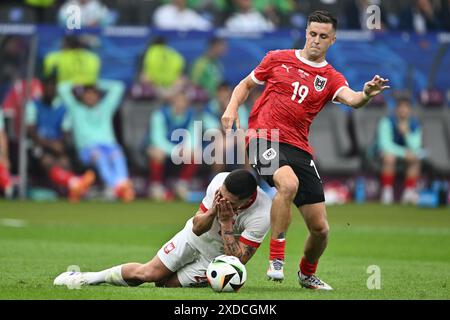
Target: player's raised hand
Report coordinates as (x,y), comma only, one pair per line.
(229,117)
(375,86)
(226,212)
(215,204)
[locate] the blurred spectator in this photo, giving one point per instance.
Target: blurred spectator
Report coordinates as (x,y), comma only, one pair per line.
(399,138)
(445,14)
(73,63)
(92,127)
(419,17)
(162,70)
(92,13)
(13,53)
(15,101)
(44,10)
(207,71)
(177,16)
(163,122)
(357,16)
(212,120)
(277,11)
(6,185)
(247,19)
(47,124)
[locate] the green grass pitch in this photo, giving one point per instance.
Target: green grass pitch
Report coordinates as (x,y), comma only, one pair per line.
(411,247)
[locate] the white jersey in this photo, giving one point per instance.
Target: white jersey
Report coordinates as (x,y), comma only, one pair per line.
(250,224)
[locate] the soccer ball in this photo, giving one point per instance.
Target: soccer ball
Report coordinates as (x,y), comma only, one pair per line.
(226,274)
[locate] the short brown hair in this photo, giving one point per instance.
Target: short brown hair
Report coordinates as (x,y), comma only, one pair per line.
(322,16)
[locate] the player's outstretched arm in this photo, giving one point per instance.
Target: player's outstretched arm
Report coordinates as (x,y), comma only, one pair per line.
(240,94)
(361,98)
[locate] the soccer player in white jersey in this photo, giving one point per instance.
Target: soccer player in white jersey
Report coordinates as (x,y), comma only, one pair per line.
(233,219)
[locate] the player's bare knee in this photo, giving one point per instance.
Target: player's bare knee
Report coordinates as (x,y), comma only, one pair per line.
(389,160)
(288,188)
(320,232)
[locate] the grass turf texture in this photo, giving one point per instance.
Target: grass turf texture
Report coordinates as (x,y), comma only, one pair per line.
(410,245)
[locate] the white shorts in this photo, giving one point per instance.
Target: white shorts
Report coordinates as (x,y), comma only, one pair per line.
(180,257)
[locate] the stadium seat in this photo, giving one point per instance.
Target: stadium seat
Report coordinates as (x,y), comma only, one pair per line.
(366,123)
(436,138)
(330,141)
(135,121)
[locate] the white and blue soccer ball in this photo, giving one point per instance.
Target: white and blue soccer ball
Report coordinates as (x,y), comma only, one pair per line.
(226,274)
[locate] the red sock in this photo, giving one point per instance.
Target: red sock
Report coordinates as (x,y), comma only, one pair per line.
(277,249)
(156,171)
(387,180)
(5,178)
(60,177)
(308,268)
(410,182)
(188,171)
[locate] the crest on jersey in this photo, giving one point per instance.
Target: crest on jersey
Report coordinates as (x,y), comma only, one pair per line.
(319,83)
(169,247)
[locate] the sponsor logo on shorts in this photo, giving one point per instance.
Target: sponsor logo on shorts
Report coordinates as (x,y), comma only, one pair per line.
(169,247)
(269,154)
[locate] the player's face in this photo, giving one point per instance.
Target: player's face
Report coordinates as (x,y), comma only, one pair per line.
(234,200)
(90,97)
(403,110)
(319,37)
(180,103)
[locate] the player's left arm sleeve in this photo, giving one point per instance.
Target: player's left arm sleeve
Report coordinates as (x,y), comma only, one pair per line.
(337,86)
(263,71)
(114,92)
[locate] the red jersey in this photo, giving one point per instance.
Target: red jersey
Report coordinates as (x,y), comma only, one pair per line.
(296,90)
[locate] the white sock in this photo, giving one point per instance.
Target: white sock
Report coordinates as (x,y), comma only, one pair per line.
(112,276)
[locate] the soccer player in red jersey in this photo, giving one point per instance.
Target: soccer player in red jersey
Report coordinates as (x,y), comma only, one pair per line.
(298,84)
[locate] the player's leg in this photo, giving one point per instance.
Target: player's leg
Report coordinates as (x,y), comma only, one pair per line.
(156,166)
(95,155)
(123,185)
(191,275)
(129,274)
(286,183)
(315,217)
(413,167)
(187,172)
(60,173)
(5,180)
(387,178)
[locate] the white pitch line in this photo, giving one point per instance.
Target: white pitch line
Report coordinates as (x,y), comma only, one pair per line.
(15,223)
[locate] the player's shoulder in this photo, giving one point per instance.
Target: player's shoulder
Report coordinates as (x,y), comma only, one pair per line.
(262,205)
(217,181)
(330,69)
(281,53)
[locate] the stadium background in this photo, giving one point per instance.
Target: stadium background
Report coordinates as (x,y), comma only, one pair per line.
(407,242)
